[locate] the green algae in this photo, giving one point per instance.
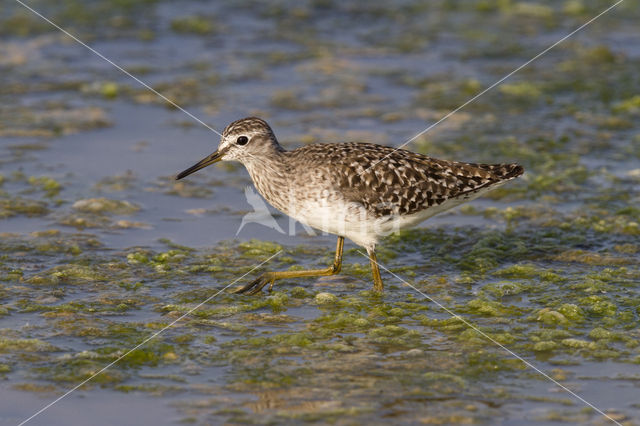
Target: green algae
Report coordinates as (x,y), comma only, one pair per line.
(34,387)
(182,91)
(599,305)
(529,272)
(521,91)
(582,256)
(382,324)
(628,106)
(49,185)
(68,274)
(167,257)
(109,90)
(97,212)
(282,343)
(391,338)
(53,119)
(299,293)
(81,223)
(544,346)
(152,389)
(10,207)
(483,362)
(387,331)
(342,322)
(325,299)
(137,258)
(451,325)
(116,183)
(192,25)
(572,312)
(187,189)
(76,370)
(484,253)
(489,308)
(578,344)
(259,249)
(504,289)
(25,345)
(551,317)
(452,382)
(21,23)
(105,206)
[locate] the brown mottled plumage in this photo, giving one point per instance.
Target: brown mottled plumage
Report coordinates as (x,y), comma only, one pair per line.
(356,190)
(390,181)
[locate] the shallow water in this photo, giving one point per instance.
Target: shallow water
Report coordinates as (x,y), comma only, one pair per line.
(101,248)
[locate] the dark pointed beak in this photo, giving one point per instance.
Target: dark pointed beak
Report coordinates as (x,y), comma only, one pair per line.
(208,160)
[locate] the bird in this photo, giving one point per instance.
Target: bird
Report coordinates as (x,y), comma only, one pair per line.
(355,190)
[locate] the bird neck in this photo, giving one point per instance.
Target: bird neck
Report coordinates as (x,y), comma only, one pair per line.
(269,175)
(264,160)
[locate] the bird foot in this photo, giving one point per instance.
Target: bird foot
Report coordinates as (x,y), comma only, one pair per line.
(258,284)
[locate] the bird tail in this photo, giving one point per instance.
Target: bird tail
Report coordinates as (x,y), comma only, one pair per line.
(505,171)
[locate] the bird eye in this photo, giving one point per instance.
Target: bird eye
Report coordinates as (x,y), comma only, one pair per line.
(242,140)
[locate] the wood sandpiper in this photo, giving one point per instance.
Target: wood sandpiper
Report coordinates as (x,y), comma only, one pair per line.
(356,190)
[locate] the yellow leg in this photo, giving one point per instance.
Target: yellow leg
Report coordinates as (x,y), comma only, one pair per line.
(270,277)
(375,271)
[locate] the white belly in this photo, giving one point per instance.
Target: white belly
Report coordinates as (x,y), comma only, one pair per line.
(353,221)
(349,220)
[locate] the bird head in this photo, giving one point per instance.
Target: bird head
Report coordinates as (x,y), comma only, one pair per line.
(243,140)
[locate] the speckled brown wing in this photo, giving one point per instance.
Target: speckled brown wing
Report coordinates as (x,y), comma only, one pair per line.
(399,182)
